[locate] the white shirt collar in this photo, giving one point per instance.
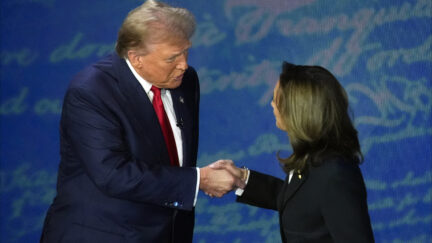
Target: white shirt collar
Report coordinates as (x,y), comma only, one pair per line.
(291,173)
(144,83)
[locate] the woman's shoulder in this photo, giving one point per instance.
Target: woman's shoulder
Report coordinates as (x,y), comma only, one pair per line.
(336,166)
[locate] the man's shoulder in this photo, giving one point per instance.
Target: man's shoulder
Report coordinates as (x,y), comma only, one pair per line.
(95,75)
(191,75)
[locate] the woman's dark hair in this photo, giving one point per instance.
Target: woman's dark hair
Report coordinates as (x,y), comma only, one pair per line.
(314,110)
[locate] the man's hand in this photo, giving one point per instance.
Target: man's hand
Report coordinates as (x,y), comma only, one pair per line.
(218,181)
(230,166)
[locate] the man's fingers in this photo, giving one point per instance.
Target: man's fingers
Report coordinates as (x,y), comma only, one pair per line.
(229,161)
(220,164)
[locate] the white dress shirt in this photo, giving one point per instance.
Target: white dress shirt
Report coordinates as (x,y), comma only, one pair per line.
(169,110)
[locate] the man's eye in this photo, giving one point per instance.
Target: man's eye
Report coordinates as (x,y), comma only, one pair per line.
(170,60)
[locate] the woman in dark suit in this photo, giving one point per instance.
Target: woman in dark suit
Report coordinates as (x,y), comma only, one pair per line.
(323,198)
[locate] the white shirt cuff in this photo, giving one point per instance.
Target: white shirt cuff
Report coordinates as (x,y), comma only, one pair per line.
(197,186)
(240,191)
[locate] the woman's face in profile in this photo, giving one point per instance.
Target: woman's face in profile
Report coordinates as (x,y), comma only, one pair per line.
(276,112)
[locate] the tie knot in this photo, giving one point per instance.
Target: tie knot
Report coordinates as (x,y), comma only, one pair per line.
(155,90)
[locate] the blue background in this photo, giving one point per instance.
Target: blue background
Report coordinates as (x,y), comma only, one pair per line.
(379,50)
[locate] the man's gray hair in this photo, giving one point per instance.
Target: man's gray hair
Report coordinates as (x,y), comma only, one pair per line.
(153,22)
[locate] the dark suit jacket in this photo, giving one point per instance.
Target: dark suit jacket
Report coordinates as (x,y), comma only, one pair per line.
(115,183)
(324,204)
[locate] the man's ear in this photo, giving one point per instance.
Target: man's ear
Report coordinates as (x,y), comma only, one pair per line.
(134,58)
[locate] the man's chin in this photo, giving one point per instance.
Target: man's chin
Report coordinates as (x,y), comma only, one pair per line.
(174,84)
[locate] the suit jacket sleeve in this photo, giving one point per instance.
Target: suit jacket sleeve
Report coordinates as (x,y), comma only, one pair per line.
(344,206)
(95,136)
(261,191)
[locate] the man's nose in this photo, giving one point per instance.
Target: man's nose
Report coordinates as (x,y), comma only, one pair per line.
(182,62)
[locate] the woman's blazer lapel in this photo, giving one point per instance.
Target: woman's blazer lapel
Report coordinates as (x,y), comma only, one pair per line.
(289,189)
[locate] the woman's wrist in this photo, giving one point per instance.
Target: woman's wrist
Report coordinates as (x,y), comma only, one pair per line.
(244,173)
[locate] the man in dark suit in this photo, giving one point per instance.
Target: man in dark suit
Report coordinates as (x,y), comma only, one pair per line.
(129,140)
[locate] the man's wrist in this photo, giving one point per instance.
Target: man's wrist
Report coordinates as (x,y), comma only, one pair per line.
(203,176)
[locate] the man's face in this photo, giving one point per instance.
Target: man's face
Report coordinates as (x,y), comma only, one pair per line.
(165,63)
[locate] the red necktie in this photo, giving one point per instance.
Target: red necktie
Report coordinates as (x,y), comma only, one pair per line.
(165,125)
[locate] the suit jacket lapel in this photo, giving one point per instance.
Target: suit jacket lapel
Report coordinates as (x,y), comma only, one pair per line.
(138,106)
(183,118)
(290,189)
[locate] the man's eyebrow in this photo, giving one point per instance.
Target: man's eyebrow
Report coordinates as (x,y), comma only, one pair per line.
(178,54)
(175,55)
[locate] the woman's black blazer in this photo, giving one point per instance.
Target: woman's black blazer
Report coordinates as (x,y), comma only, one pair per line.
(326,203)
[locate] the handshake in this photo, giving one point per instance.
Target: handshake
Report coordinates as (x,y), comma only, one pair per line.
(221,177)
